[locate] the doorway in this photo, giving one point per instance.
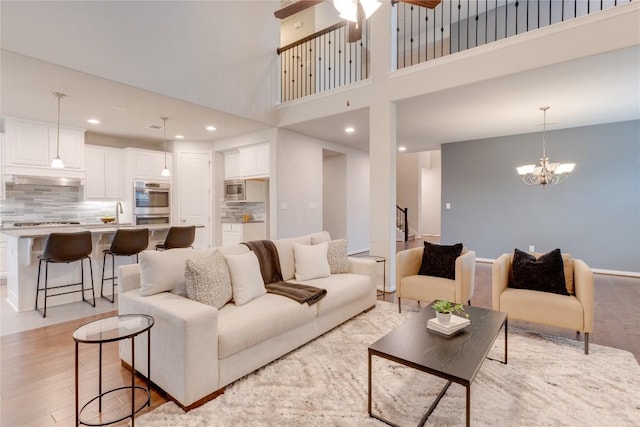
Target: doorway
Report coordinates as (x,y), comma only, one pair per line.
(334,193)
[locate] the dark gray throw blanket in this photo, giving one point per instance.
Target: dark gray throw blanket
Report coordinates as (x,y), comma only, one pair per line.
(267,254)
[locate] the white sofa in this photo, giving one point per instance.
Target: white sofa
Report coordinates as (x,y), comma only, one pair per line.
(196,350)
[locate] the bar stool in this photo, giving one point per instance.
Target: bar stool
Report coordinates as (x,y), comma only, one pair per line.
(124,243)
(179,237)
(65,248)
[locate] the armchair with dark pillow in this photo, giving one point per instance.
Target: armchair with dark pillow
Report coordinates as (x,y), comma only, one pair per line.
(551,289)
(444,272)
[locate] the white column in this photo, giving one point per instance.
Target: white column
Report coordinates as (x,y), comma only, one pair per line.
(382,144)
(382,163)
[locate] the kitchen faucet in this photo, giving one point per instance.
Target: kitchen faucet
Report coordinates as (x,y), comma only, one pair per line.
(118,212)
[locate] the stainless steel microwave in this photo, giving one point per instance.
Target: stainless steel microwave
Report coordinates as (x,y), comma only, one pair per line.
(235,190)
(151,198)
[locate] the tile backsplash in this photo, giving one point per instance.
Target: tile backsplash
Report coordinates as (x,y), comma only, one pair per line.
(26,203)
(233,211)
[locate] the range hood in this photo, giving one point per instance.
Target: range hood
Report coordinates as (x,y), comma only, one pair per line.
(45,180)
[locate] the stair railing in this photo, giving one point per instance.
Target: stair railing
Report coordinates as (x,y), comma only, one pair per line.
(401,221)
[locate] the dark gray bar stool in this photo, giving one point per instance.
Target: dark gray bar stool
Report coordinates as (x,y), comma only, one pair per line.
(65,248)
(179,237)
(124,243)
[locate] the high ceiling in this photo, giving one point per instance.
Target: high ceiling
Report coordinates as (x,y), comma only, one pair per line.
(597,89)
(195,90)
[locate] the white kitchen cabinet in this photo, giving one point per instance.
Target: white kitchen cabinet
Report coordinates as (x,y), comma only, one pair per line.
(32,145)
(105,172)
(233,233)
(232,165)
(147,165)
(254,161)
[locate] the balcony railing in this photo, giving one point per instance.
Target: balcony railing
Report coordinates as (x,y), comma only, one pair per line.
(322,61)
(457,25)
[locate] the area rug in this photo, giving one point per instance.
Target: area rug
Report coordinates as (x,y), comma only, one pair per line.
(549,381)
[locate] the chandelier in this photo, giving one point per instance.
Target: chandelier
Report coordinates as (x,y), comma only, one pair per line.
(349,8)
(547,172)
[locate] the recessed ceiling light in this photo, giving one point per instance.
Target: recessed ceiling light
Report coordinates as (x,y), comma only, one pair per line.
(402,148)
(179,136)
(349,130)
(211,128)
(93,121)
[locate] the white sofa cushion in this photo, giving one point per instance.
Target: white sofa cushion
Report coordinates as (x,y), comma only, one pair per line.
(208,280)
(162,271)
(246,279)
(341,290)
(311,261)
(241,327)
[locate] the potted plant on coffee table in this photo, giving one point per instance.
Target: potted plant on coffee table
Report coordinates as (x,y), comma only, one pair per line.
(444,309)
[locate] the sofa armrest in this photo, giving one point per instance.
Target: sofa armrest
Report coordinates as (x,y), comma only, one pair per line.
(583,283)
(364,266)
(499,279)
(128,278)
(465,276)
(407,264)
(184,344)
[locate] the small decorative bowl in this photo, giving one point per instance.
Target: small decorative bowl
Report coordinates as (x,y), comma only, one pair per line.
(107,219)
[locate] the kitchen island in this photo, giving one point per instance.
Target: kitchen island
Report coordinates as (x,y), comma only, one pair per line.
(25,244)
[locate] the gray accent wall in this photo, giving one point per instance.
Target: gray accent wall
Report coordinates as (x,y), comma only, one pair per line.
(594,215)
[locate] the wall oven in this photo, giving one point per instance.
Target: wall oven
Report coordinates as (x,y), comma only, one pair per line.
(151,198)
(151,219)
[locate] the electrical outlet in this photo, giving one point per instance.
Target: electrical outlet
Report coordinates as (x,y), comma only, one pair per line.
(532,248)
(447,206)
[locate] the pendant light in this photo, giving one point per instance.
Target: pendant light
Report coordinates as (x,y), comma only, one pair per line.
(547,173)
(56,163)
(165,171)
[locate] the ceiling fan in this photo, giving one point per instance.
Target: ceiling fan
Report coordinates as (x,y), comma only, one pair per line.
(354,11)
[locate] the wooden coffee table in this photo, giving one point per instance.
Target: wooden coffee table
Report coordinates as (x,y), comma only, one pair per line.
(455,358)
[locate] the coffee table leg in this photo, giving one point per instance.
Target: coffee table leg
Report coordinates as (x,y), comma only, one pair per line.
(369,394)
(506,326)
(469,405)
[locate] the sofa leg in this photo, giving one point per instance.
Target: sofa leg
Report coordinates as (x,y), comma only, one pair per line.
(469,302)
(586,343)
(399,306)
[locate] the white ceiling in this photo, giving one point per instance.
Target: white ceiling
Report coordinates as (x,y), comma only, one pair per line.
(596,89)
(124,111)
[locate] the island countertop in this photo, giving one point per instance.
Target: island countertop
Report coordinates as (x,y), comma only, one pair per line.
(24,244)
(43,231)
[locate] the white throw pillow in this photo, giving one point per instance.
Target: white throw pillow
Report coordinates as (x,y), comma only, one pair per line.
(208,280)
(246,279)
(311,261)
(162,271)
(337,256)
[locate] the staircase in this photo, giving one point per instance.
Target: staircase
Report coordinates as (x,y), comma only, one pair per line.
(403,233)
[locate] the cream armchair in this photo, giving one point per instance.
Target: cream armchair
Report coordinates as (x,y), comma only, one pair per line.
(565,311)
(409,284)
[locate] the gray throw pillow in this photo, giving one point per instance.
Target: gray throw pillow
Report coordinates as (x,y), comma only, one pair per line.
(337,255)
(208,280)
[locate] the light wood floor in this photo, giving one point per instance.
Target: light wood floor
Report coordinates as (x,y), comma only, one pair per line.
(37,366)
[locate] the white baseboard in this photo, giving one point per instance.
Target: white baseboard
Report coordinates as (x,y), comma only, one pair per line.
(595,270)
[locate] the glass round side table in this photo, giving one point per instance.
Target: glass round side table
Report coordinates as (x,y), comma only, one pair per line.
(117,328)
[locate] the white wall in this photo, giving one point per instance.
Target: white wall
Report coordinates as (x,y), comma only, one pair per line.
(430,192)
(300,187)
(334,194)
(408,187)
